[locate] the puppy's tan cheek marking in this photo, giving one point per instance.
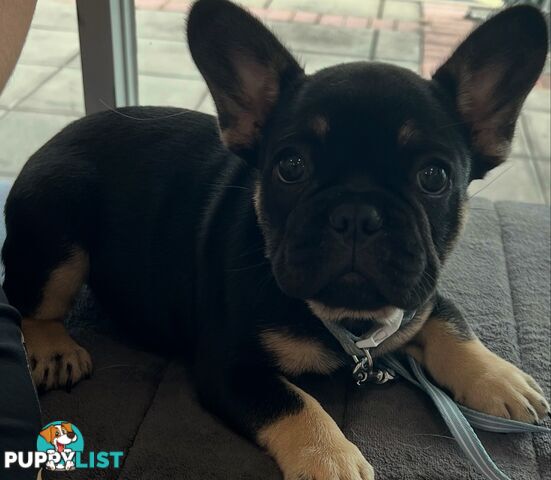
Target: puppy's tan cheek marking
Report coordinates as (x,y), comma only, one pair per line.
(261,218)
(463,217)
(295,356)
(257,200)
(62,286)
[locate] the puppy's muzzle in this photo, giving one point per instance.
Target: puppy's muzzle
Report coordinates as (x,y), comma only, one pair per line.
(355,223)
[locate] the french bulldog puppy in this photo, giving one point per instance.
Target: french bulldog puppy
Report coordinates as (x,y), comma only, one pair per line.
(335,196)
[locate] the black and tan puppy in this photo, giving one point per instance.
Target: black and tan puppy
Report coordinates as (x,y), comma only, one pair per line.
(335,196)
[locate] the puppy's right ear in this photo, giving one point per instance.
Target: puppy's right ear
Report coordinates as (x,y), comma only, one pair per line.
(246,69)
(489,76)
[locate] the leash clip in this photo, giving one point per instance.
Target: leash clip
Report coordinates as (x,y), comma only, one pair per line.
(365,371)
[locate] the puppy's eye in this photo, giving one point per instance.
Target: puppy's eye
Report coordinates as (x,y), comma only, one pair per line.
(291,168)
(432,179)
(57,434)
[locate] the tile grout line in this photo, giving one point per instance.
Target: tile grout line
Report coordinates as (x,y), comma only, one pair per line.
(375,37)
(49,28)
(48,111)
(532,156)
(202,98)
(381,9)
(422,39)
(544,190)
(47,79)
(172,76)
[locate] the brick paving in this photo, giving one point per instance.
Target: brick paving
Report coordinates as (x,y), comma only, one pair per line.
(46,90)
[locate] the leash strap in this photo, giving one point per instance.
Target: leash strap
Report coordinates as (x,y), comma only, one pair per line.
(460,420)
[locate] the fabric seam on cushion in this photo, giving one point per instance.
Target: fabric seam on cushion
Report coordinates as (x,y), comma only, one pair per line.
(162,376)
(513,310)
(345,408)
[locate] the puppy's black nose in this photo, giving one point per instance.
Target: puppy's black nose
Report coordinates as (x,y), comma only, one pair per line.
(369,219)
(355,221)
(71,435)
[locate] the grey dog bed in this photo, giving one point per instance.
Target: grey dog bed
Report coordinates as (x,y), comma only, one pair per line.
(145,404)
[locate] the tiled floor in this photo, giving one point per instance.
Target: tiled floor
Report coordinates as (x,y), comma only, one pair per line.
(45,92)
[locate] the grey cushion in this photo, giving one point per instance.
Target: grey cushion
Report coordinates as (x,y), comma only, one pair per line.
(145,405)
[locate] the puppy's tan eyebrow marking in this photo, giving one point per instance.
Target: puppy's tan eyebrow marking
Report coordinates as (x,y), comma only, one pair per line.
(407,133)
(319,125)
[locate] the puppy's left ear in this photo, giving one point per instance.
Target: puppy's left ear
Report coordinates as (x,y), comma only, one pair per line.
(489,76)
(246,68)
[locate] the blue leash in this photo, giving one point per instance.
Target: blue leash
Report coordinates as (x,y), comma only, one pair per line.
(460,419)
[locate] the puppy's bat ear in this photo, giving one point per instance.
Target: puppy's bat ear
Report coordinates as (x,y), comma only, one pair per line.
(246,68)
(489,76)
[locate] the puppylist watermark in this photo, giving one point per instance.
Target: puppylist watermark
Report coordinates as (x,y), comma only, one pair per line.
(60,447)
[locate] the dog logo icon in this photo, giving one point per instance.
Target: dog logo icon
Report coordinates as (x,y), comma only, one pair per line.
(60,447)
(60,440)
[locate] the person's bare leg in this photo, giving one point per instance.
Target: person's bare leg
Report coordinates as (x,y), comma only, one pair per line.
(15,20)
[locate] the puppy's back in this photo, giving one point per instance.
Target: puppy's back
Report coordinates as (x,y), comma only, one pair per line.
(127,188)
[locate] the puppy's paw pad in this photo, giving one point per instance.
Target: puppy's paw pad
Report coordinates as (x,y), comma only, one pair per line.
(505,391)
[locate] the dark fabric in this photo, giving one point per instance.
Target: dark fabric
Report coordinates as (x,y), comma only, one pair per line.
(19,411)
(145,405)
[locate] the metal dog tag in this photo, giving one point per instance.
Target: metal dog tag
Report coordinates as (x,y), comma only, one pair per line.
(364,371)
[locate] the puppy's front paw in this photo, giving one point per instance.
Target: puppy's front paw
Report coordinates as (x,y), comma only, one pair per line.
(55,359)
(501,389)
(335,462)
(309,445)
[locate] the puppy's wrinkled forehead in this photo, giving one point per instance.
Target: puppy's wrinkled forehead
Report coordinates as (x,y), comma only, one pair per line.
(370,106)
(261,91)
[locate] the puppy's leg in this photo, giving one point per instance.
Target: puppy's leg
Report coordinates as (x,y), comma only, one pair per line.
(478,378)
(42,283)
(291,425)
(308,444)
